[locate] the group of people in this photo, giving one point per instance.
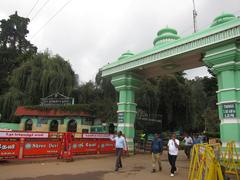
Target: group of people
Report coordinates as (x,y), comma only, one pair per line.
(189,142)
(156,150)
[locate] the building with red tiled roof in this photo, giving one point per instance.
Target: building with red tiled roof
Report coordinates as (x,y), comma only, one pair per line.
(39,118)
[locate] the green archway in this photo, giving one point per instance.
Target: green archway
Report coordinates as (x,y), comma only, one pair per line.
(217,47)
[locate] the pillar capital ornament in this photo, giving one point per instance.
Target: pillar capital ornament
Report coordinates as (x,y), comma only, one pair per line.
(126,81)
(223,58)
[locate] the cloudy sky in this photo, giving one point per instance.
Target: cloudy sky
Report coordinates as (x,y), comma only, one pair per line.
(91,33)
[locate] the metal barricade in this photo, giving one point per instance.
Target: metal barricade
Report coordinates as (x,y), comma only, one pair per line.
(62,145)
(204,164)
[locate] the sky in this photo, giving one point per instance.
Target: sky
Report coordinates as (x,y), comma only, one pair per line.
(92,33)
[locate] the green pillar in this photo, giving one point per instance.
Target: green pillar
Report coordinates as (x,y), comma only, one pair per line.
(225,63)
(126,84)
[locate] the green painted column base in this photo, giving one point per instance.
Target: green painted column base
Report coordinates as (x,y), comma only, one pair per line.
(130,145)
(128,131)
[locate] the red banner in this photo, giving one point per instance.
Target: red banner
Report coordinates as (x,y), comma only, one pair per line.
(41,148)
(85,146)
(106,146)
(9,150)
(21,145)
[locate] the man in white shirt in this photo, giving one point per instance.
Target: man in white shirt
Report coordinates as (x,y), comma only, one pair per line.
(120,145)
(173,145)
(188,142)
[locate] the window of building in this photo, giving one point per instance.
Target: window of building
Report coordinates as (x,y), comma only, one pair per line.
(53,126)
(28,125)
(85,130)
(72,126)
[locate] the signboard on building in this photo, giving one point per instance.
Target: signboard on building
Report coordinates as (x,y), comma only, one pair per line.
(120,117)
(229,110)
(57,99)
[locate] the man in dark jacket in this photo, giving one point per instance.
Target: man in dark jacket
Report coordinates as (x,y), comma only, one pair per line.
(156,149)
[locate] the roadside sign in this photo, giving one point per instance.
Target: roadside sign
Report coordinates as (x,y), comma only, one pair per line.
(229,110)
(120,117)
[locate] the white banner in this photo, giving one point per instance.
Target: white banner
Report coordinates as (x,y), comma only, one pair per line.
(23,135)
(96,136)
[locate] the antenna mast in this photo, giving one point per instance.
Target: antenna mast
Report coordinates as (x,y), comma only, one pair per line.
(194,17)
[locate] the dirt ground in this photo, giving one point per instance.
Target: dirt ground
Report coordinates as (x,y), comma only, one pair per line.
(137,167)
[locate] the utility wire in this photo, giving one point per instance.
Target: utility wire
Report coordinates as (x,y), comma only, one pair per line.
(40,9)
(57,12)
(32,8)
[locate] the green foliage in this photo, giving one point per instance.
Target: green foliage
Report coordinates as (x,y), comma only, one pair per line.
(105,87)
(43,75)
(211,120)
(167,96)
(198,104)
(10,101)
(101,95)
(85,93)
(213,134)
(188,105)
(38,77)
(14,47)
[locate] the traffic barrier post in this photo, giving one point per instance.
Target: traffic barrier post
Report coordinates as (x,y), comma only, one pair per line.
(231,159)
(204,165)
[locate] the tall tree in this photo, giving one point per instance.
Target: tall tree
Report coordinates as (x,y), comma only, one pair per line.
(198,104)
(212,122)
(14,47)
(166,96)
(86,93)
(107,97)
(105,86)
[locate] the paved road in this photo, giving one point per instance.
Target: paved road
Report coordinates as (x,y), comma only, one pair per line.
(136,167)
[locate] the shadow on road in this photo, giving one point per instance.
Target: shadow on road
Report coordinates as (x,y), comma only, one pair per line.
(97,175)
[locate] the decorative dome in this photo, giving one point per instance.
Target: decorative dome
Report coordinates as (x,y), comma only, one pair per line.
(126,55)
(222,19)
(165,35)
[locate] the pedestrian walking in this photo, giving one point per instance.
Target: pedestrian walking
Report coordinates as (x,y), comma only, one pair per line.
(156,149)
(173,145)
(120,145)
(188,143)
(196,139)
